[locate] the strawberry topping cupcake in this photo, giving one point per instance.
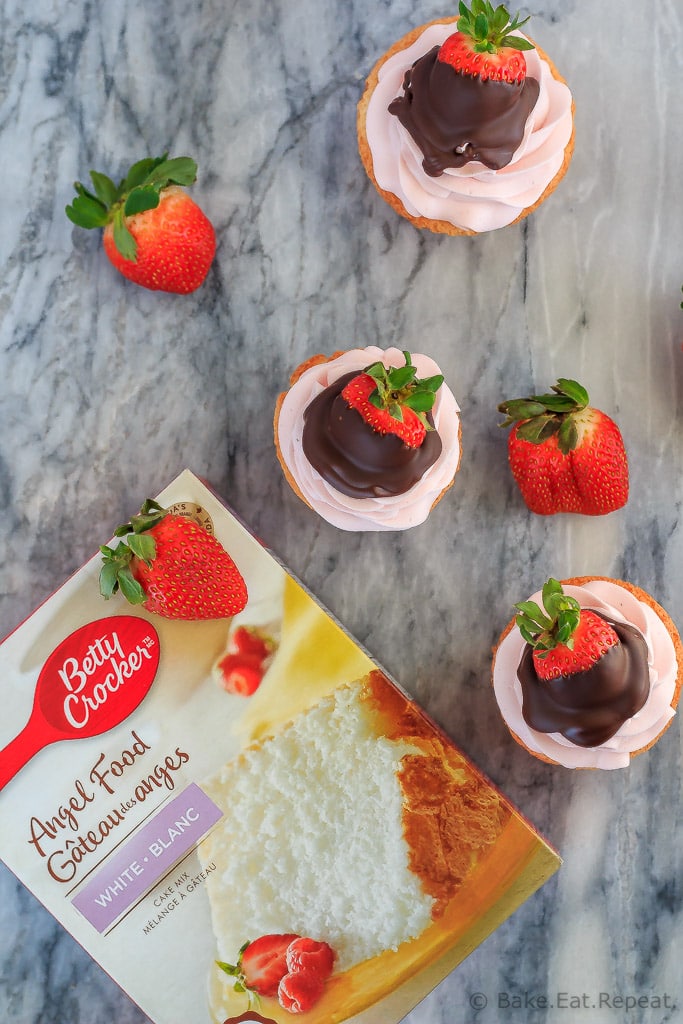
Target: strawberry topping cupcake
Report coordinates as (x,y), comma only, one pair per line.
(369,439)
(465,125)
(588,674)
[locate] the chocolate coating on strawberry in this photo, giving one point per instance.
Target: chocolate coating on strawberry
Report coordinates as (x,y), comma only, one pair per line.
(470,99)
(582,674)
(356,459)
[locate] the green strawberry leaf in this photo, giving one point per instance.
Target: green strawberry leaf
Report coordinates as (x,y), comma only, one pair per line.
(556,403)
(432,383)
(139,173)
(181,170)
(517,409)
(551,588)
(533,614)
(573,390)
(564,632)
(420,401)
(567,436)
(123,239)
(140,199)
(376,370)
(130,588)
(87,212)
(517,43)
(401,377)
(232,970)
(500,18)
(143,546)
(538,429)
(109,582)
(105,189)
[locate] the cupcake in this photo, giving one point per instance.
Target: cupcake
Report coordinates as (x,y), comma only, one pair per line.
(588,674)
(466,131)
(369,439)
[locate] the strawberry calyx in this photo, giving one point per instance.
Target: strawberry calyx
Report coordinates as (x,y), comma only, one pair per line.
(555,623)
(489,29)
(402,400)
(108,203)
(237,973)
(540,417)
(564,637)
(116,572)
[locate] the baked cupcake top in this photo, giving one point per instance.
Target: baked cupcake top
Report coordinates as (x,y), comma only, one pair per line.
(473,196)
(638,693)
(354,480)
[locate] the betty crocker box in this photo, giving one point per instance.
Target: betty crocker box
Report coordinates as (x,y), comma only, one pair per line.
(186,834)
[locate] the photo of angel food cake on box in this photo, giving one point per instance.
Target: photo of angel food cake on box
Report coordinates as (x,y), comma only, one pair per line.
(359,851)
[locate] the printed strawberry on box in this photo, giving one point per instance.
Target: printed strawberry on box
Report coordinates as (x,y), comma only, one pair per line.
(235,814)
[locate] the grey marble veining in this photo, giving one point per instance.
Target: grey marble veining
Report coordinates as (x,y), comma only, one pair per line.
(108,391)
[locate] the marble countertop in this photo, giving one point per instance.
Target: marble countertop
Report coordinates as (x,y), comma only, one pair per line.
(108,391)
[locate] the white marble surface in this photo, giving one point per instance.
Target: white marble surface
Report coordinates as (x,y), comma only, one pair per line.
(107,391)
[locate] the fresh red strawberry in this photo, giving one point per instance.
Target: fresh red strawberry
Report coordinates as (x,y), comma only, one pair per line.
(241,674)
(485,45)
(394,401)
(306,954)
(565,455)
(261,965)
(298,992)
(153,232)
(565,637)
(251,641)
(171,566)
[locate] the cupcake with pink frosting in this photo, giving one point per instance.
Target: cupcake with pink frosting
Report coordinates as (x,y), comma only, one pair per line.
(465,125)
(369,438)
(588,674)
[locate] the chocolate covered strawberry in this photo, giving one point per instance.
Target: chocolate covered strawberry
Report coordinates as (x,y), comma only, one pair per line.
(566,639)
(170,565)
(485,45)
(565,455)
(394,400)
(154,233)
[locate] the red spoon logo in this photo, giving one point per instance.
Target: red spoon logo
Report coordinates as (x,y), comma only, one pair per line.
(91,682)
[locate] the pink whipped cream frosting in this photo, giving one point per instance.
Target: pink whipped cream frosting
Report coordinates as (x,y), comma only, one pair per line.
(472,197)
(620,604)
(399,512)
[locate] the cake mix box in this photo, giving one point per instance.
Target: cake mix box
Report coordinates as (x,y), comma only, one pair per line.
(244,819)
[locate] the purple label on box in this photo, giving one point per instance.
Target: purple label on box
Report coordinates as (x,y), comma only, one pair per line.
(146,857)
